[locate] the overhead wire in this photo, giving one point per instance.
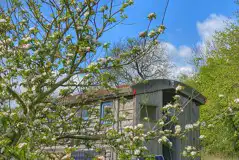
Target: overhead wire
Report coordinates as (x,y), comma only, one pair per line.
(165,11)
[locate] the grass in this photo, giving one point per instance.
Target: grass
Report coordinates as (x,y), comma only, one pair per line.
(216,157)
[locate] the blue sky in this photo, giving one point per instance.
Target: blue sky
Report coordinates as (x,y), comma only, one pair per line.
(189,23)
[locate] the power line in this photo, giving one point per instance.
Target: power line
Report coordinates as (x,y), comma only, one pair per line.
(165,10)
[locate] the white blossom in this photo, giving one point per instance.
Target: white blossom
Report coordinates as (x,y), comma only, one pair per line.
(32,29)
(142,138)
(12,114)
(67,156)
(189,148)
(109,58)
(159,140)
(26,38)
(179,88)
(3,20)
(143,148)
(137,152)
(8,40)
(188,126)
(210,125)
(123,116)
(44,110)
(128,127)
(220,95)
(143,34)
(101,158)
(80,27)
(135,138)
(193,153)
(152,34)
(196,124)
(203,124)
(236,100)
(36,122)
(140,126)
(26,46)
(2,149)
(201,137)
(20,145)
(152,16)
(178,129)
(86,14)
(168,106)
(78,9)
(88,49)
(102,60)
(170,144)
(164,138)
(184,153)
(46,127)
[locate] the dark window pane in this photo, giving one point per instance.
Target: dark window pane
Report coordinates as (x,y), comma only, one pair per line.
(84,115)
(148,111)
(106,107)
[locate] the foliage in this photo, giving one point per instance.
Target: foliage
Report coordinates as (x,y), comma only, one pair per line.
(48,53)
(218,81)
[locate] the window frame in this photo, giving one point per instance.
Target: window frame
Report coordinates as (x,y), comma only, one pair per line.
(102,110)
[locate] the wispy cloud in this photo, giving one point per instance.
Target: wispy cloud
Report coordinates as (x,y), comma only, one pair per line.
(206,29)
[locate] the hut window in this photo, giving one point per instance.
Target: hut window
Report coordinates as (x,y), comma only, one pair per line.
(148,111)
(84,154)
(84,115)
(106,109)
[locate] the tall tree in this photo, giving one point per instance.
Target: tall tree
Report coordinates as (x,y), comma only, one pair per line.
(218,79)
(152,63)
(48,51)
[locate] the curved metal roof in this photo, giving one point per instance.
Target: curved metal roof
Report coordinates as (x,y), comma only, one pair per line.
(164,84)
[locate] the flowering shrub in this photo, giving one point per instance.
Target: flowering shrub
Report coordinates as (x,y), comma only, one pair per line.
(46,58)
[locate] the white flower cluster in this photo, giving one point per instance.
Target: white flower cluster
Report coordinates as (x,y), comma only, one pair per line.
(127,128)
(3,20)
(192,126)
(165,140)
(188,126)
(26,39)
(201,137)
(136,138)
(143,34)
(122,116)
(236,100)
(179,88)
(137,152)
(140,126)
(26,46)
(20,145)
(168,106)
(152,16)
(161,123)
(102,60)
(190,151)
(178,129)
(210,126)
(220,95)
(177,97)
(152,34)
